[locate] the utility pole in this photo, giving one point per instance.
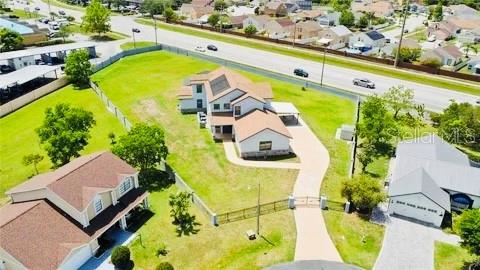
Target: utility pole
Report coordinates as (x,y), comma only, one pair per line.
(49,10)
(405,14)
(258,210)
(323,64)
(155,26)
(294,33)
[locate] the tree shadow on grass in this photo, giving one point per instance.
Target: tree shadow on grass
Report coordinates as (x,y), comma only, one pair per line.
(187,226)
(155,180)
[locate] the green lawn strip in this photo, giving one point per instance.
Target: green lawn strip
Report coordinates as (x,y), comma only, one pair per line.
(109,36)
(22,14)
(145,88)
(18,137)
(138,44)
(223,247)
(379,69)
(61,4)
(450,257)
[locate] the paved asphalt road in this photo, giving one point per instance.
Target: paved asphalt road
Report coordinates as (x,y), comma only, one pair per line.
(434,98)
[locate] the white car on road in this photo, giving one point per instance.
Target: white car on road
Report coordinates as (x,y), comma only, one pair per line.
(200,49)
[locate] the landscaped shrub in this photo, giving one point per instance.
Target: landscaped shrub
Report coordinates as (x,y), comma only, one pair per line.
(431,62)
(121,257)
(162,250)
(164,266)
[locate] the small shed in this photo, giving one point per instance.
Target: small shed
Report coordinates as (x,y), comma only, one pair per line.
(346,132)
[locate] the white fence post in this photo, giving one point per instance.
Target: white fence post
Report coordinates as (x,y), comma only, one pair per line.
(323,202)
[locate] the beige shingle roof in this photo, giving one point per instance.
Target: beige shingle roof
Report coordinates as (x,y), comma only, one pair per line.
(257,121)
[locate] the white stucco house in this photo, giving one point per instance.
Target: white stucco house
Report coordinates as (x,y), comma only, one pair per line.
(56,219)
(430,178)
(367,41)
(237,109)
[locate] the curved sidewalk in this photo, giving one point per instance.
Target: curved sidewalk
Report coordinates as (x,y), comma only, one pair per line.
(313,241)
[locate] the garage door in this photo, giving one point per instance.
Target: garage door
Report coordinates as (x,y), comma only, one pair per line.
(77,258)
(421,213)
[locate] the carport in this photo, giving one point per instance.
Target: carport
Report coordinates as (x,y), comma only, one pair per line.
(286,111)
(26,79)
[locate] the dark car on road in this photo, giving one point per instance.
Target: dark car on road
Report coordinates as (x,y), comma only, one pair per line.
(300,72)
(212,47)
(364,83)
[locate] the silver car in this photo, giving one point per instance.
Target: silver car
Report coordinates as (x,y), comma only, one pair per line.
(364,83)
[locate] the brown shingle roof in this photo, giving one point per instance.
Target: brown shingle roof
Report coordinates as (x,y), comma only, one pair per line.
(285,22)
(39,236)
(78,181)
(257,121)
(221,119)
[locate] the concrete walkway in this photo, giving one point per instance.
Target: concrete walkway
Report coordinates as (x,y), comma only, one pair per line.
(410,246)
(232,156)
(313,241)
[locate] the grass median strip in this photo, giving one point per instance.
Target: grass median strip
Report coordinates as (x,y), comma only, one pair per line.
(379,69)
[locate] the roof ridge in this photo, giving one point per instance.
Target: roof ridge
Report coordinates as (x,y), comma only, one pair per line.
(98,154)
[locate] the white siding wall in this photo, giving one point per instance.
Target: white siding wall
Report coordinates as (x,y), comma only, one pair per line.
(249,104)
(191,104)
(67,208)
(414,212)
(106,201)
(188,104)
(10,262)
(250,21)
(29,195)
(279,142)
(225,99)
(22,62)
(76,258)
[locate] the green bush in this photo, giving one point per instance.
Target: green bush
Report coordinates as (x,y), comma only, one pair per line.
(162,250)
(51,42)
(121,256)
(164,266)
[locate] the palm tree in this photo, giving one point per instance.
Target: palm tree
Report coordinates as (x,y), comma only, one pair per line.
(370,16)
(470,46)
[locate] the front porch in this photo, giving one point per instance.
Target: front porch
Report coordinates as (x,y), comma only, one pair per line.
(116,226)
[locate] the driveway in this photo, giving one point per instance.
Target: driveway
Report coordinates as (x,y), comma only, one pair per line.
(410,245)
(313,241)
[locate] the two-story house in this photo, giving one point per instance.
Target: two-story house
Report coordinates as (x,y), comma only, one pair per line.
(237,109)
(55,219)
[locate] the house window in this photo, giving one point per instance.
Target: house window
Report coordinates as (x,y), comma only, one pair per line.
(98,204)
(216,107)
(431,210)
(400,202)
(421,207)
(265,145)
(411,205)
(226,106)
(199,88)
(218,129)
(237,111)
(126,185)
(199,104)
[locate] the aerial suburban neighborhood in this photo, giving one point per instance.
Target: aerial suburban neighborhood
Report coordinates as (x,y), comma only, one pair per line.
(240,134)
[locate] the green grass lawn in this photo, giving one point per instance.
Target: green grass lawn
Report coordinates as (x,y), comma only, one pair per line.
(18,137)
(22,14)
(151,97)
(223,247)
(138,44)
(109,36)
(337,61)
(147,92)
(450,257)
(61,4)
